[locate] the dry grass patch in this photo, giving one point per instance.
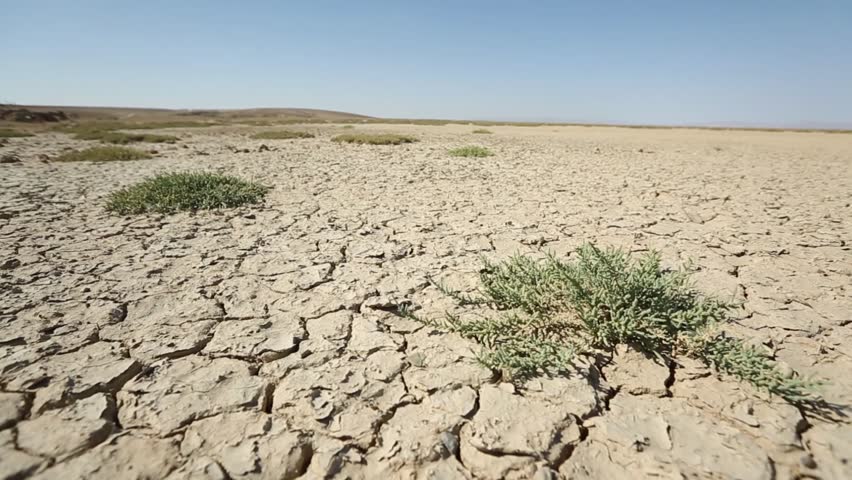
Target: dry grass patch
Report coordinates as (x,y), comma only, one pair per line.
(373,139)
(281,135)
(103,154)
(122,138)
(106,132)
(482,131)
(471,151)
(185,191)
(9,133)
(84,127)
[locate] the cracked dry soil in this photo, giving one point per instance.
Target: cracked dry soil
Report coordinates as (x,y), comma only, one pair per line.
(261,342)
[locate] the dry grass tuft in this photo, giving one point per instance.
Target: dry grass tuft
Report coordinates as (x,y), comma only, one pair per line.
(103,154)
(122,138)
(471,151)
(372,139)
(281,135)
(9,133)
(108,125)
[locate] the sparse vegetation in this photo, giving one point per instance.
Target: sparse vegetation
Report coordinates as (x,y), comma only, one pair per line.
(174,192)
(103,154)
(482,131)
(122,138)
(107,131)
(373,139)
(281,135)
(548,312)
(348,127)
(9,133)
(256,123)
(471,151)
(108,125)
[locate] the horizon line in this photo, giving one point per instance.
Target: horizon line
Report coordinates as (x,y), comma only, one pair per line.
(805,126)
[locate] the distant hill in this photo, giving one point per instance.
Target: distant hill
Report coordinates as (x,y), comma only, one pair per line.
(47,114)
(151,114)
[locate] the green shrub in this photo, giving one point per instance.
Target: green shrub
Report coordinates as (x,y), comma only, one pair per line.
(482,131)
(9,133)
(174,192)
(470,151)
(103,154)
(281,135)
(548,312)
(371,139)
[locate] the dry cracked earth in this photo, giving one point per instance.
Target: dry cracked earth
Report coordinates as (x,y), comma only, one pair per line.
(262,342)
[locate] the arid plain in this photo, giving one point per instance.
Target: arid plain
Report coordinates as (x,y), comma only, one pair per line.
(266,341)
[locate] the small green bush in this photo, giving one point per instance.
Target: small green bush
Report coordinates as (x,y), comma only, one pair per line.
(121,138)
(348,127)
(103,154)
(482,131)
(471,151)
(9,133)
(371,139)
(174,192)
(281,135)
(549,312)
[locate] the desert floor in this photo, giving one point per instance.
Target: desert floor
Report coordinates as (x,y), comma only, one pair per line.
(263,342)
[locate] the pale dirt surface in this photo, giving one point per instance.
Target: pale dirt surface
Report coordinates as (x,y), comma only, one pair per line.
(261,342)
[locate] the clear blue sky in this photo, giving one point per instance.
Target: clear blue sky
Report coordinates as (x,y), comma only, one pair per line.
(749,62)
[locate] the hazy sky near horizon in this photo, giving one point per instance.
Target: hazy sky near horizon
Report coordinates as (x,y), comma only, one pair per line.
(775,63)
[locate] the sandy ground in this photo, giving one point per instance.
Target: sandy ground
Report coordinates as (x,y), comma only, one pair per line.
(261,342)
